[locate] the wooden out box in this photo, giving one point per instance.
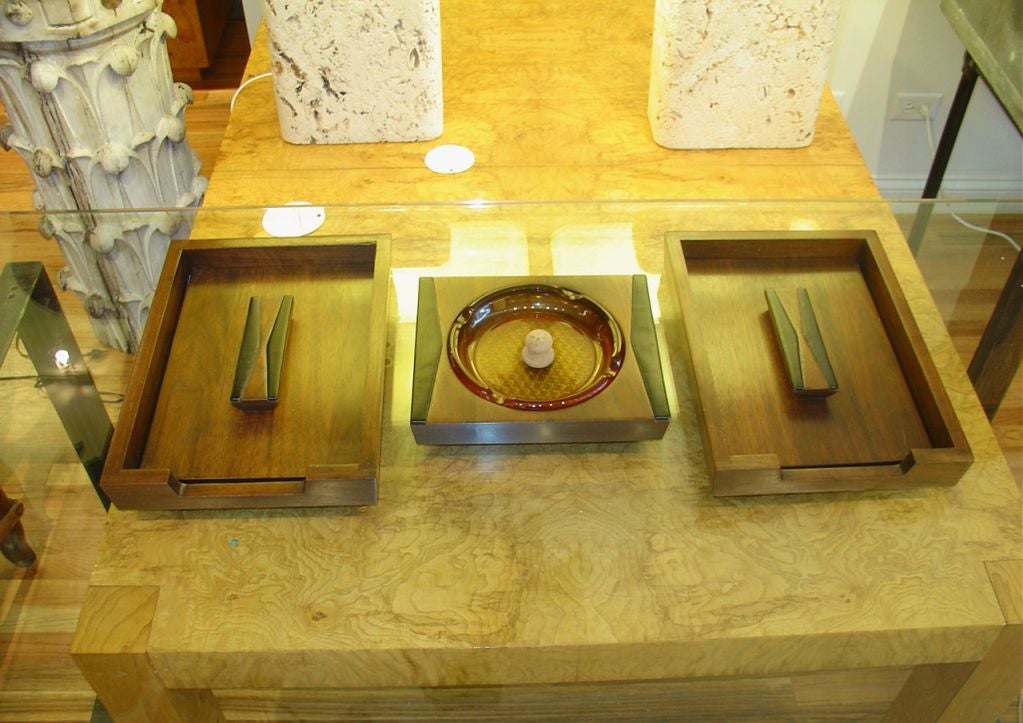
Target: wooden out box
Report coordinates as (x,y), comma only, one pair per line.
(890,425)
(181,444)
(633,407)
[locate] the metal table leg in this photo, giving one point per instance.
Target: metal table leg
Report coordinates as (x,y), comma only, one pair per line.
(997,359)
(967,82)
(29,307)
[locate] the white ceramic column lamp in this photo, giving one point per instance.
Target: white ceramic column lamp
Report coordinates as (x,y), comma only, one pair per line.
(96,115)
(359,71)
(739,73)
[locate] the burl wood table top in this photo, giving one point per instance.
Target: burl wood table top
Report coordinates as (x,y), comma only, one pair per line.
(557,563)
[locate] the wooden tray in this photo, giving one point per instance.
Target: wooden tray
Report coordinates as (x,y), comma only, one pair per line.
(890,424)
(445,410)
(181,444)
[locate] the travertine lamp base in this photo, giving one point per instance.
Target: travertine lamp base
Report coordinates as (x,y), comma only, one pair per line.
(739,73)
(356,71)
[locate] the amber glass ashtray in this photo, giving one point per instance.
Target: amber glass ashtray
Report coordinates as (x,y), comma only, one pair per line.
(486,339)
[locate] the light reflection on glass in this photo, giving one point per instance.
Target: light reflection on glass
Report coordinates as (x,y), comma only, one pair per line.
(803,224)
(604,249)
(484,248)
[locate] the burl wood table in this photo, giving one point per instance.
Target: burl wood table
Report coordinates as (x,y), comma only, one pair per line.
(570,579)
(573,580)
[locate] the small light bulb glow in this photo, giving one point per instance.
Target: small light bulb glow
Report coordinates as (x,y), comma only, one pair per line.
(62,358)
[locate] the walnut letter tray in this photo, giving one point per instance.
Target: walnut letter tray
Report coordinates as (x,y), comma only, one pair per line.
(888,425)
(181,443)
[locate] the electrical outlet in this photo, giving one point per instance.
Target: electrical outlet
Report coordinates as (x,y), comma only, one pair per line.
(906,106)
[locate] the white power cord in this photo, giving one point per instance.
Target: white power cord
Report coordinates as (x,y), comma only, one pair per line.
(243,86)
(924,111)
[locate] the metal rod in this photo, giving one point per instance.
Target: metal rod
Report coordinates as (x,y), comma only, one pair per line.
(956,114)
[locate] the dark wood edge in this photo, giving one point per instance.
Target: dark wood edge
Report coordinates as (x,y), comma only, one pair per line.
(643,340)
(677,295)
(125,451)
(918,368)
(376,346)
(137,488)
(324,486)
(937,467)
(762,474)
(429,348)
(747,474)
(342,485)
(238,488)
(727,244)
(260,251)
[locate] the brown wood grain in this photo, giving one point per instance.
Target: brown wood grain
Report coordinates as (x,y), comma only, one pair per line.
(876,432)
(927,692)
(997,683)
(180,429)
(864,695)
(220,441)
(116,664)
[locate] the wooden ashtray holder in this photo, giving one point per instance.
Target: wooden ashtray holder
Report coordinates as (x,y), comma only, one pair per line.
(633,407)
(890,423)
(181,442)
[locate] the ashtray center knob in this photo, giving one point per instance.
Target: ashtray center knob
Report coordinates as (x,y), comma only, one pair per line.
(538,351)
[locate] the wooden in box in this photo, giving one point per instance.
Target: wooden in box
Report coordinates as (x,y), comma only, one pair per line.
(181,444)
(890,425)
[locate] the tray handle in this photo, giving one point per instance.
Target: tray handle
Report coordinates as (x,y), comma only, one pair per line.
(248,488)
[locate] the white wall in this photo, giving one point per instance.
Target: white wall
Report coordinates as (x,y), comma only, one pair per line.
(253,10)
(882,48)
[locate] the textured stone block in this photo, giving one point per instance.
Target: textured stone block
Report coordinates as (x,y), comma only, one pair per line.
(739,73)
(357,71)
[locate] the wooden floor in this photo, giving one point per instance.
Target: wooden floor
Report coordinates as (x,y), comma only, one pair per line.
(64,520)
